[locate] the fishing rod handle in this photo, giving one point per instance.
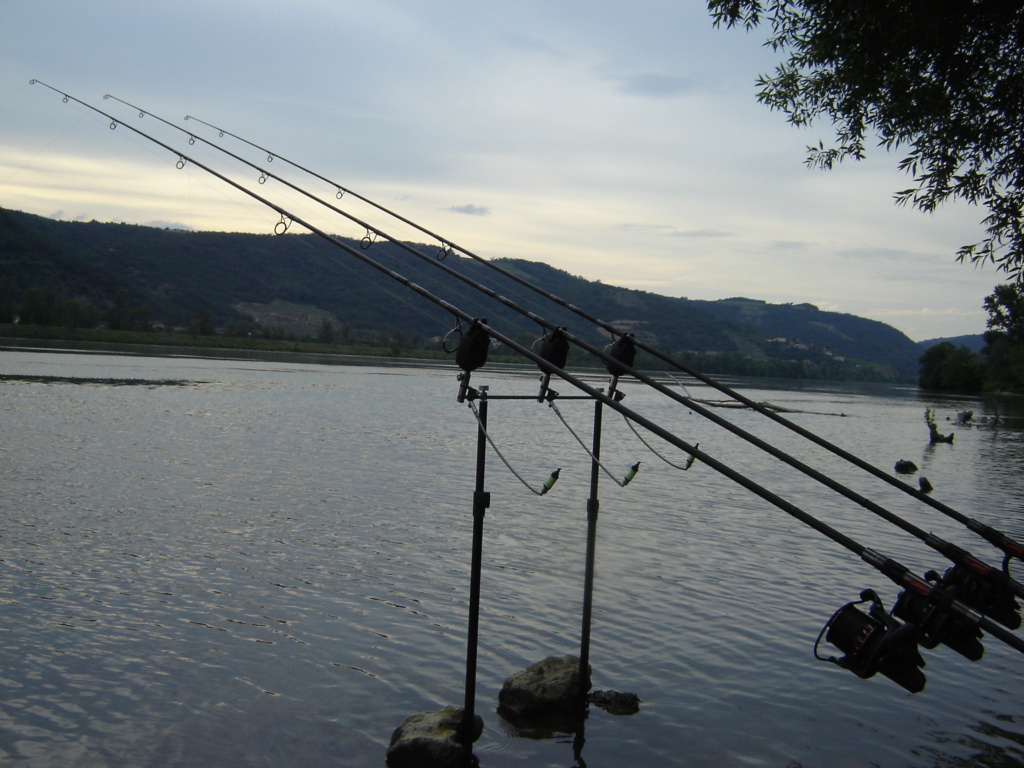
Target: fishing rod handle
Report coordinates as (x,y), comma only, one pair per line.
(997,538)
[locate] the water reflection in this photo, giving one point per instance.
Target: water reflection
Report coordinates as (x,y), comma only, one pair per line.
(269,565)
(987,745)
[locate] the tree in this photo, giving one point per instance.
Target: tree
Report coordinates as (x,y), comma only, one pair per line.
(117,316)
(326,334)
(8,298)
(941,80)
(78,313)
(37,306)
(121,317)
(948,367)
(1004,339)
(1005,309)
(201,323)
(138,318)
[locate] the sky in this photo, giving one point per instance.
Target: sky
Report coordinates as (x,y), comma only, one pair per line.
(620,141)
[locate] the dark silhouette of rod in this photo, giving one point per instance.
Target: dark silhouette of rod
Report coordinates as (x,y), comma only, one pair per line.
(993,536)
(896,572)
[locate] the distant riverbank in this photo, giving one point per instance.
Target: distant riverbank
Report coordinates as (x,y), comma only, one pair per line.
(162,342)
(162,339)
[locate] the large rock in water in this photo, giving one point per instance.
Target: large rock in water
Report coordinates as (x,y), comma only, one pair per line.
(549,688)
(431,740)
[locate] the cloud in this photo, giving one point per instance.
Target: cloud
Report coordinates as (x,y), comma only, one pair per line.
(527,42)
(655,84)
(929,312)
(667,230)
(827,306)
(471,210)
(889,254)
(699,233)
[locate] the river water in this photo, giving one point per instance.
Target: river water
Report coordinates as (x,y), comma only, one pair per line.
(230,562)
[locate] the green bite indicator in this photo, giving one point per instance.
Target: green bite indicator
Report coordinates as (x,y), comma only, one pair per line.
(631,474)
(552,479)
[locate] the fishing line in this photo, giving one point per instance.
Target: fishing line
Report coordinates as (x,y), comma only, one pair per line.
(889,567)
(15,170)
(446,248)
(374,235)
(735,404)
(1009,546)
(621,483)
(282,226)
(379,283)
(684,467)
(954,553)
(545,487)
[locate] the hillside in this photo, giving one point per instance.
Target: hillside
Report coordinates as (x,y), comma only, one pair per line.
(302,279)
(974,342)
(846,335)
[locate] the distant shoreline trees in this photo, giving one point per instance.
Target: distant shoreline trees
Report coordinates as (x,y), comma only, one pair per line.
(40,307)
(999,367)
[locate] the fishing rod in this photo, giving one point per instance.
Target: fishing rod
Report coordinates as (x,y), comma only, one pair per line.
(872,642)
(1010,547)
(993,582)
(939,603)
(987,584)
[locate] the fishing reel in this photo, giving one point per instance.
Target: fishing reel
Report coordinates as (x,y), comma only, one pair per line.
(554,348)
(874,642)
(986,593)
(983,592)
(936,624)
(471,353)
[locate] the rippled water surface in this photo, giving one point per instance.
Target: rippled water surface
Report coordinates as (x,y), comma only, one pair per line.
(226,562)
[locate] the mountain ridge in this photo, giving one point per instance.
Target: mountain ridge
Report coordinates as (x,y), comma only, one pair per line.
(175,273)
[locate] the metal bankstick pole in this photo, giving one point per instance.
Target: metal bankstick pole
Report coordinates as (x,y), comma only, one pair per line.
(588,580)
(481,500)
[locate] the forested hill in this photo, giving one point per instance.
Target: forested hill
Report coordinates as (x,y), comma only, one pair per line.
(170,275)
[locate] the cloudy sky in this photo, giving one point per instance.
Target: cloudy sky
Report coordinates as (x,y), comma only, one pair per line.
(620,141)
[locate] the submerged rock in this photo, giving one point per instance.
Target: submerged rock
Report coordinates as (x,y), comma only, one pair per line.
(964,417)
(431,740)
(925,485)
(548,688)
(616,703)
(905,467)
